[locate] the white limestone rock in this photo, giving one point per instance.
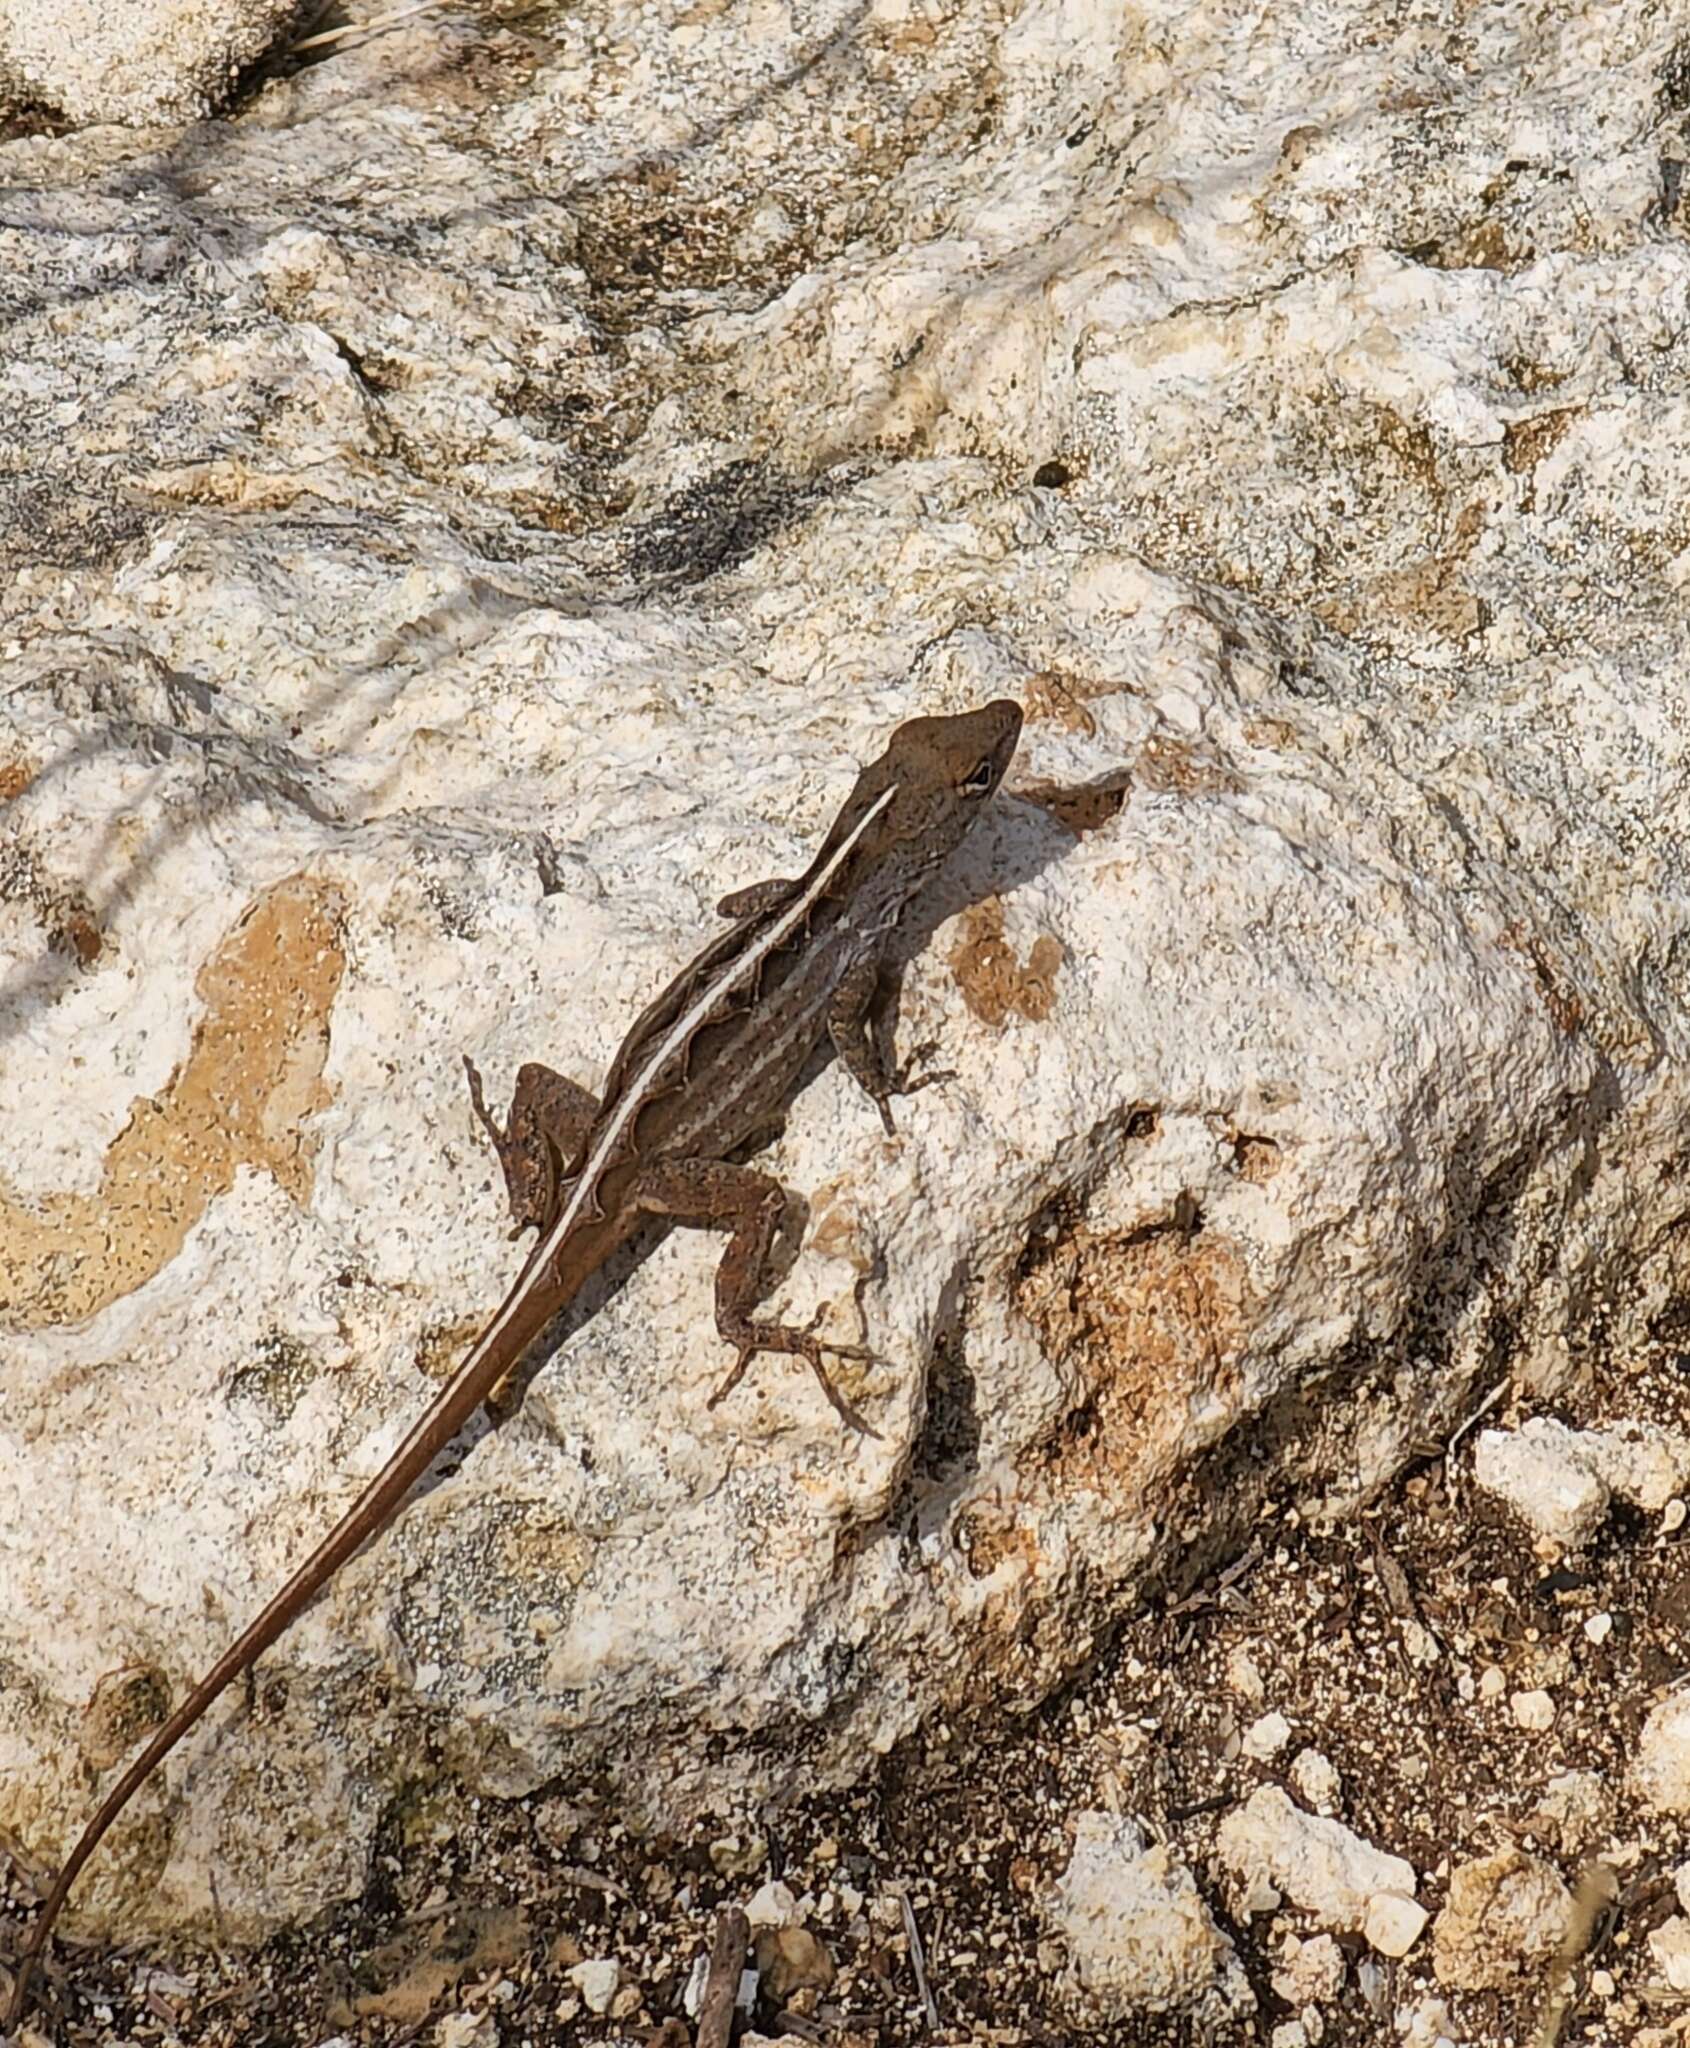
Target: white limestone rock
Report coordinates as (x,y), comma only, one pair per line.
(1324,1867)
(1309,1972)
(1139,1937)
(1669,1944)
(772,1905)
(1506,1916)
(144,63)
(1560,1481)
(449,532)
(1427,2024)
(1660,1769)
(598,1981)
(1534,1710)
(1575,1807)
(1316,1779)
(1393,1923)
(1266,1737)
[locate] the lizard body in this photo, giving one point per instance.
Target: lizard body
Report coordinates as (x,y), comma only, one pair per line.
(703,1071)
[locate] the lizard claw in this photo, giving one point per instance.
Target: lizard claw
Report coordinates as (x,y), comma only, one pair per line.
(756,1337)
(908,1081)
(478,1102)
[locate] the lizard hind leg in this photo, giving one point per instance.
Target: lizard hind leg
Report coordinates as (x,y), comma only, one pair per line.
(712,1194)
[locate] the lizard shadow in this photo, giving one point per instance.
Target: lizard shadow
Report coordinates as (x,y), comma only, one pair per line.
(1007,851)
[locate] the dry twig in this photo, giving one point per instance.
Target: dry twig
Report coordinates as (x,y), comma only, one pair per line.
(721,1985)
(918,1962)
(360,28)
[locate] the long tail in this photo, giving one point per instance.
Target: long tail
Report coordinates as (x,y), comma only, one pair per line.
(531,1303)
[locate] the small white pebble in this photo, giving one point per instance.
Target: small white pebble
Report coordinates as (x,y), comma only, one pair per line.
(1602,1984)
(1267,1737)
(1672,1515)
(1533,1710)
(1681,1885)
(1599,1627)
(598,1982)
(1427,2025)
(1316,1778)
(1244,1678)
(1669,1944)
(1492,1684)
(772,1905)
(1394,1923)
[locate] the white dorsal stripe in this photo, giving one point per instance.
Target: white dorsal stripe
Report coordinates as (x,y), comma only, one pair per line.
(633,1095)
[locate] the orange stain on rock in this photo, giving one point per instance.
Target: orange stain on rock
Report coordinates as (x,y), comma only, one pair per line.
(1155,1321)
(253,1074)
(993,981)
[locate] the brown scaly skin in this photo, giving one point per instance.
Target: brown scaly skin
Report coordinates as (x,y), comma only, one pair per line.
(702,1072)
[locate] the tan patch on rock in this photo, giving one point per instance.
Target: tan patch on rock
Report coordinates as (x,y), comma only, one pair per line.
(423,1966)
(126,1704)
(1257,1159)
(1428,597)
(241,1098)
(836,1228)
(993,981)
(1565,1009)
(15,777)
(61,908)
(1152,1319)
(1054,696)
(1176,767)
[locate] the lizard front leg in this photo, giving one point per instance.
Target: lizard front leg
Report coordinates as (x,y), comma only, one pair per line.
(712,1194)
(855,1023)
(549,1117)
(548,1122)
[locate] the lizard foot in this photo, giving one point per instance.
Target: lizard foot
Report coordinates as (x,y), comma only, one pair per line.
(751,1338)
(915,1074)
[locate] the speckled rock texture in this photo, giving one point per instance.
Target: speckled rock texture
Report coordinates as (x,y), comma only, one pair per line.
(479,500)
(142,63)
(1137,1933)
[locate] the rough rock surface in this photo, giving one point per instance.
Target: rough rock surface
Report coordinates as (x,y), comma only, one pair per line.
(1669,1945)
(1322,1866)
(1575,1807)
(1505,1914)
(143,63)
(478,502)
(1309,1972)
(1140,1938)
(1660,1771)
(1561,1481)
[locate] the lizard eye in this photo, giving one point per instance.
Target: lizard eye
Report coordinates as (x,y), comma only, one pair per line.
(978,781)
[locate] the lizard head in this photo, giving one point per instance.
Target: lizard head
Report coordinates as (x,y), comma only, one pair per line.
(915,804)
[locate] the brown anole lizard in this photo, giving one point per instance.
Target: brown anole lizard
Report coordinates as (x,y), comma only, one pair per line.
(704,1071)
